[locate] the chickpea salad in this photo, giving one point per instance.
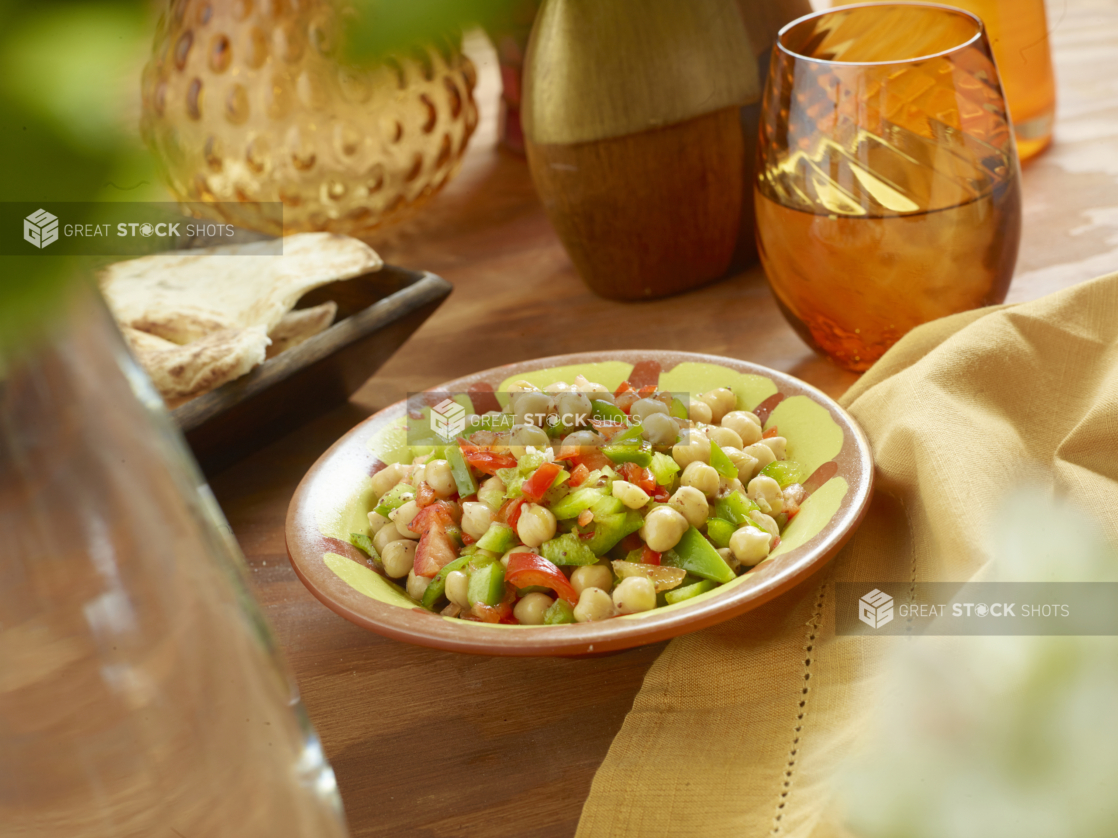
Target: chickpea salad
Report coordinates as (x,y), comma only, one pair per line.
(578,504)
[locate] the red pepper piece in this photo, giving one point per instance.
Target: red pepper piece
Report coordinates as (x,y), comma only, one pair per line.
(528,569)
(510,511)
(579,475)
(537,485)
(770,433)
(484,459)
(650,556)
(622,387)
(646,391)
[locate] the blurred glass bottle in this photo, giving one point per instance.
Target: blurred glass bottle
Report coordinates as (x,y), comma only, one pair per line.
(141,693)
(1018,33)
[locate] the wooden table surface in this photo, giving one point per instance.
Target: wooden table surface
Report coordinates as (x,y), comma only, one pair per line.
(432,743)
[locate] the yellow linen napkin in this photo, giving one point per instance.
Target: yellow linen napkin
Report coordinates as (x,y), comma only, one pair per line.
(738,728)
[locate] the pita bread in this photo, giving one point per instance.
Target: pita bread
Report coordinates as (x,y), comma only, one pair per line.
(186,295)
(181,373)
(299,325)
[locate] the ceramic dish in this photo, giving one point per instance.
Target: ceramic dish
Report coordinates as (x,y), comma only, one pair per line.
(335,495)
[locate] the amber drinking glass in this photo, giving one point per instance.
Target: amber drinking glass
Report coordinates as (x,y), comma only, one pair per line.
(888,188)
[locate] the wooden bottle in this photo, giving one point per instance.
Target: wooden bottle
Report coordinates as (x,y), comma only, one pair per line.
(633,129)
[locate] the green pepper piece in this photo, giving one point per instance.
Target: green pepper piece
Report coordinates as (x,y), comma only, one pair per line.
(498,538)
(681,594)
(639,454)
(558,613)
(365,544)
(606,412)
(487,585)
(678,409)
(785,472)
(719,531)
(608,505)
(437,586)
(577,501)
(663,469)
(720,462)
(567,549)
(460,471)
(394,498)
(632,436)
(610,529)
(696,555)
(735,508)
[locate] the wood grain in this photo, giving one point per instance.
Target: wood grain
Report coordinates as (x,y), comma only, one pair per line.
(434,744)
(649,214)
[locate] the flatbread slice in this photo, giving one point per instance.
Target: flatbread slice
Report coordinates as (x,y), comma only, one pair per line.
(186,295)
(181,373)
(299,325)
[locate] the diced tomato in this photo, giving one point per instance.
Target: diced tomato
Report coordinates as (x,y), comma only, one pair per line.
(631,542)
(425,496)
(579,475)
(607,428)
(585,517)
(499,613)
(622,387)
(646,391)
(770,433)
(485,460)
(660,494)
(638,476)
(650,556)
(528,569)
(436,547)
(467,538)
(509,513)
(537,485)
(626,400)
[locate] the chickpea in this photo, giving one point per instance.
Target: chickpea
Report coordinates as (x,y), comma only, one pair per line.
(532,408)
(635,594)
(663,527)
(762,454)
(692,505)
(476,518)
(592,576)
(702,477)
(492,492)
(764,522)
(728,485)
(531,608)
(693,447)
(591,388)
(522,386)
(574,409)
(744,463)
(749,545)
(744,424)
(536,525)
(525,435)
(556,387)
(631,495)
(402,518)
(699,411)
(643,408)
(660,429)
(388,477)
(377,522)
(417,475)
(519,548)
(778,445)
(417,585)
(457,587)
(724,437)
(721,402)
(583,439)
(398,558)
(386,536)
(440,479)
(766,493)
(593,604)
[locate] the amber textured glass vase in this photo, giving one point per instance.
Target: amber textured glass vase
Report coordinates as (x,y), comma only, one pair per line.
(888,186)
(248,101)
